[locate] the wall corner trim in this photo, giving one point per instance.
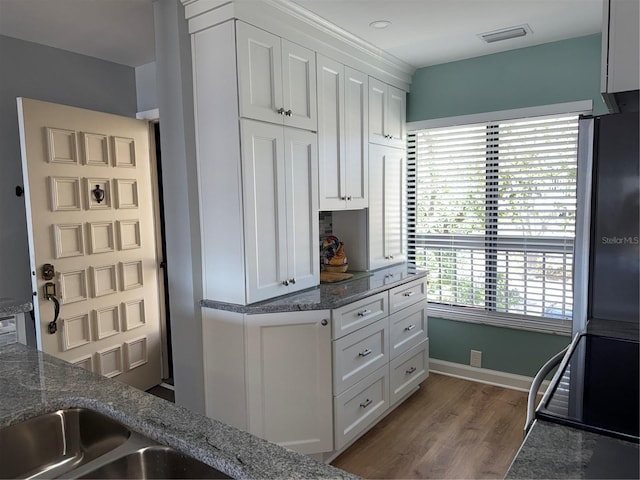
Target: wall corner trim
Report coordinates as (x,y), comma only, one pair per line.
(484,375)
(153,114)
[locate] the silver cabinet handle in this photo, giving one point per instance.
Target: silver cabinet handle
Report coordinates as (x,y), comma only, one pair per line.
(364,313)
(288,113)
(366,403)
(324,322)
(280,111)
(409,328)
(343,198)
(411,370)
(409,294)
(292,281)
(364,353)
(285,282)
(390,256)
(349,197)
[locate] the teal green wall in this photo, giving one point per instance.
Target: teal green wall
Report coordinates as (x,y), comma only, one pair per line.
(557,72)
(504,349)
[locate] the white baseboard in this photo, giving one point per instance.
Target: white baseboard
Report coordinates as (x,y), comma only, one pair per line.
(484,375)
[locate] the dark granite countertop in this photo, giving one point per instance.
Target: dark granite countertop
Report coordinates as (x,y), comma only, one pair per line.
(557,451)
(32,383)
(10,306)
(328,296)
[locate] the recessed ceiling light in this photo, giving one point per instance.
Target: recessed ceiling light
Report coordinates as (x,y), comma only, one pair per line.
(380,24)
(506,33)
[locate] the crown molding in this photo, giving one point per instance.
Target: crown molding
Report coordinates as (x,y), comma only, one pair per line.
(307,16)
(297,24)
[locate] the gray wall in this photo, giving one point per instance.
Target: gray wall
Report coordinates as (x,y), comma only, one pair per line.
(146,87)
(180,187)
(44,73)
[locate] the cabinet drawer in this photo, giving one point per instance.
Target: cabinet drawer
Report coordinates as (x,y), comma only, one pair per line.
(407,328)
(359,354)
(407,294)
(360,406)
(408,371)
(353,316)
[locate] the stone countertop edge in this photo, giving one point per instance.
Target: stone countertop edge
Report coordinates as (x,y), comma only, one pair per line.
(556,451)
(323,297)
(33,383)
(9,306)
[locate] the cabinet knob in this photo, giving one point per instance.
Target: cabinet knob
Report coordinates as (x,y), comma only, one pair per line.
(365,353)
(411,370)
(349,197)
(292,281)
(288,113)
(343,198)
(364,313)
(409,328)
(285,283)
(280,111)
(324,322)
(409,294)
(366,403)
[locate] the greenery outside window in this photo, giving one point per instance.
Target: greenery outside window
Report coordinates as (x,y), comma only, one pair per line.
(492,212)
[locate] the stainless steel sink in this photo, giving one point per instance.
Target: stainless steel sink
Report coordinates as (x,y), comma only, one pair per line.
(82,443)
(155,462)
(55,443)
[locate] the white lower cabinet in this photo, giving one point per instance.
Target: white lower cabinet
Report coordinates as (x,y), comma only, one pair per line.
(408,370)
(377,364)
(358,407)
(298,380)
(357,355)
(288,376)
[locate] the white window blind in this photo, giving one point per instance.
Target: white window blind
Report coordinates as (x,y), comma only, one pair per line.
(492,219)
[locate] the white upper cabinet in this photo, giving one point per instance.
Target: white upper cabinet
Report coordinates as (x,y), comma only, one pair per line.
(277,79)
(342,136)
(280,209)
(387,114)
(387,217)
(620,49)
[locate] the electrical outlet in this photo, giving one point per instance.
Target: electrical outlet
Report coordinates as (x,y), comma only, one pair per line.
(476,358)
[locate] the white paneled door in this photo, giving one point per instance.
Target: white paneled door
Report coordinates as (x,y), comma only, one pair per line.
(91,224)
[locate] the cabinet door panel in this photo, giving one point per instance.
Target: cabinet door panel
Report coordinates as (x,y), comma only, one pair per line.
(376,207)
(259,74)
(377,107)
(356,118)
(394,201)
(265,215)
(301,166)
(289,380)
(299,86)
(396,114)
(331,134)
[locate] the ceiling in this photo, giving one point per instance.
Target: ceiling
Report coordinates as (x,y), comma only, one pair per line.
(422,32)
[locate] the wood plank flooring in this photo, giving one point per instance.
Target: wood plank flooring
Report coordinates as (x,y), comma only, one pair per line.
(450,428)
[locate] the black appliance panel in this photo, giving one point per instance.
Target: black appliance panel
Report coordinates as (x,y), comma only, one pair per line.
(615,255)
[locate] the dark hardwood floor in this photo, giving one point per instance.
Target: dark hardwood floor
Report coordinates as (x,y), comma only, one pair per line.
(450,428)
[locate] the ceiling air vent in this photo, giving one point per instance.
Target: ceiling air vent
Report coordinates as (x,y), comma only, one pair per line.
(506,33)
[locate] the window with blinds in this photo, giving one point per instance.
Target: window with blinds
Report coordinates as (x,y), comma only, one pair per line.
(492,219)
